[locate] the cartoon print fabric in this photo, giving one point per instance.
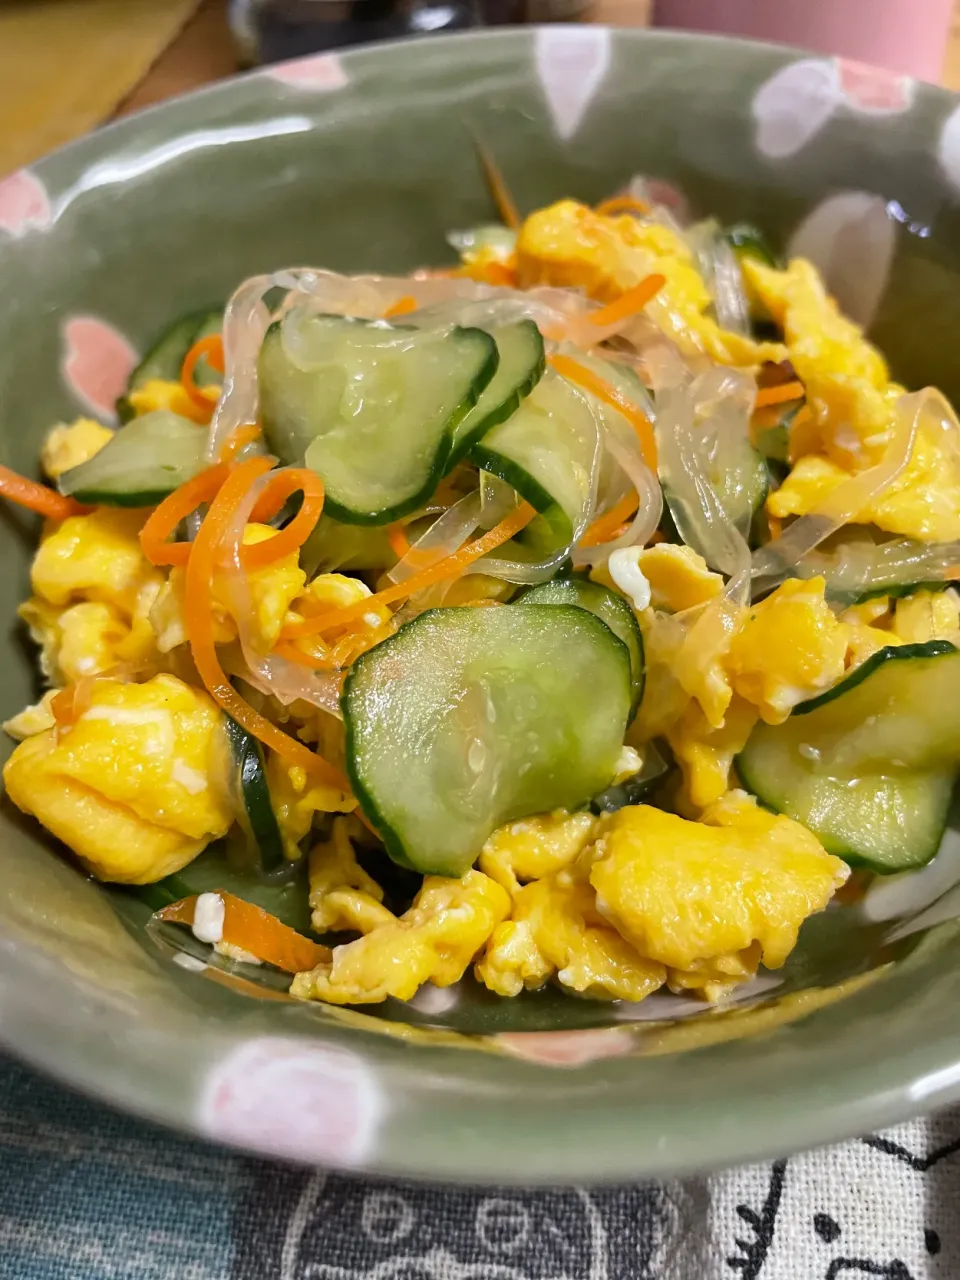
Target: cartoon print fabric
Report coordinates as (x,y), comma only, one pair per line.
(88,1194)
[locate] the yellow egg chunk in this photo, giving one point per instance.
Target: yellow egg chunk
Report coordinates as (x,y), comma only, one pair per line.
(33,719)
(679,578)
(136,785)
(864,642)
(874,612)
(923,502)
(569,245)
(69,444)
(847,382)
(531,848)
(555,930)
(342,894)
(684,893)
(158,394)
(705,755)
(664,697)
(927,615)
(435,941)
(788,648)
(716,978)
(271,590)
(94,557)
(297,799)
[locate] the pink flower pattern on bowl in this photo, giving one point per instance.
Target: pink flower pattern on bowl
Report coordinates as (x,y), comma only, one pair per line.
(567,1048)
(97,361)
(322,72)
(24,204)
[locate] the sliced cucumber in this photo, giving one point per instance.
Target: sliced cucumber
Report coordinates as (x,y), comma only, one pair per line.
(521,365)
(634,790)
(333,547)
(165,357)
(547,450)
(741,485)
(468,718)
(748,241)
(608,607)
(147,459)
(254,806)
(869,765)
(370,407)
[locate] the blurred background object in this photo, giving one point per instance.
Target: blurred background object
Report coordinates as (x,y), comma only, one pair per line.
(909,36)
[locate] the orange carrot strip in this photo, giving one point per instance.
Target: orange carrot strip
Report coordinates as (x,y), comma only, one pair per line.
(630,303)
(37,497)
(176,506)
(257,931)
(238,438)
(613,396)
(402,307)
(498,188)
(779,395)
(603,528)
(292,537)
(316,662)
(621,204)
(198,617)
(399,542)
(451,566)
(212,348)
(69,704)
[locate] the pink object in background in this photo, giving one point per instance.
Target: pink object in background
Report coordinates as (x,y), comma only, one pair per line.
(905,35)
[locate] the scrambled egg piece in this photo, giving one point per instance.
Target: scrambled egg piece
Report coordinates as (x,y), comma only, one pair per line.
(36,718)
(434,941)
(342,895)
(296,798)
(534,847)
(867,613)
(69,444)
(569,245)
(679,578)
(705,754)
(688,894)
(136,785)
(923,502)
(158,394)
(927,615)
(788,647)
(333,591)
(555,929)
(272,590)
(94,589)
(847,382)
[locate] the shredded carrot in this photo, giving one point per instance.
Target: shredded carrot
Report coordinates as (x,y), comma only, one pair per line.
(37,497)
(204,554)
(657,536)
(451,566)
(69,704)
(629,304)
(162,524)
(291,538)
(501,274)
(952,572)
(402,307)
(603,529)
(315,661)
(498,188)
(248,926)
(621,204)
(775,525)
(613,396)
(779,395)
(238,439)
(212,348)
(399,542)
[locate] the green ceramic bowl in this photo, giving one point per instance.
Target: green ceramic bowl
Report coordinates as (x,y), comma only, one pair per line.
(362,163)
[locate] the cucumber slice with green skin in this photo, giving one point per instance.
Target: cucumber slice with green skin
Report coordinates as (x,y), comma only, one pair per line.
(521,366)
(741,490)
(370,407)
(146,460)
(333,547)
(165,356)
(634,790)
(253,794)
(868,766)
(608,607)
(748,241)
(547,451)
(469,718)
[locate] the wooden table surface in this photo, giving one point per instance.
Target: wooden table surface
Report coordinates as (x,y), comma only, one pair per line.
(204,50)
